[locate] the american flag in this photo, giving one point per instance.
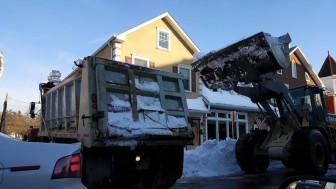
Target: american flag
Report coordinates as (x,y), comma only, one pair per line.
(261,123)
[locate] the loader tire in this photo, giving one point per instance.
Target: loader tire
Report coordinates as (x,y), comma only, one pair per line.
(245,153)
(310,152)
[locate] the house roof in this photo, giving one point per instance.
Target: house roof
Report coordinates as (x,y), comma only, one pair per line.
(328,68)
(305,63)
(197,105)
(122,36)
(229,100)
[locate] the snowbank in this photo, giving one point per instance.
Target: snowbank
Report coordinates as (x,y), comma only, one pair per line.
(215,158)
(212,158)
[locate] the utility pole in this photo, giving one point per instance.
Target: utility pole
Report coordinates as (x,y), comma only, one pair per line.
(3,117)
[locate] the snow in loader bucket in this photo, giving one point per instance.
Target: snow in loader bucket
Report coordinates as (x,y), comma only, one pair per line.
(243,61)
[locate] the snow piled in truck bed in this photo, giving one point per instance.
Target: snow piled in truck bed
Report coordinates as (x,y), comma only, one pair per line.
(152,118)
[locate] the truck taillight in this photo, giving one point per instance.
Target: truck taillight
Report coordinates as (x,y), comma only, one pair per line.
(67,167)
(94,98)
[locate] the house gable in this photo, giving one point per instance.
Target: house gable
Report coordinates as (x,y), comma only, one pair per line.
(328,68)
(140,45)
(166,17)
(305,75)
(143,42)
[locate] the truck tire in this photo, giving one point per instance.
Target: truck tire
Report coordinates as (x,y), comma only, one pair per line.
(287,163)
(165,170)
(245,153)
(310,152)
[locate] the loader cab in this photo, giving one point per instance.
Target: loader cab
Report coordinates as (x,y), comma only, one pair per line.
(311,100)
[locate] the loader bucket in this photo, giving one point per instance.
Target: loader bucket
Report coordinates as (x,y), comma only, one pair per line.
(244,61)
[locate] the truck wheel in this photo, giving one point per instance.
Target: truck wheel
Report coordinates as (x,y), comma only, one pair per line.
(159,180)
(287,163)
(310,152)
(165,169)
(245,153)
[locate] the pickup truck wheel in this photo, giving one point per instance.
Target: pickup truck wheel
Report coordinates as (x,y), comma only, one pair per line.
(311,152)
(245,153)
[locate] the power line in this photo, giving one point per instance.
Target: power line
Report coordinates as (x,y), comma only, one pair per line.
(18,100)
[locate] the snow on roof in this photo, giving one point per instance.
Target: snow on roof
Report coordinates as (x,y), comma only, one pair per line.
(229,100)
(197,104)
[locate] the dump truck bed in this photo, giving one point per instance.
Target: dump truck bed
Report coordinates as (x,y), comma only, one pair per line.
(114,103)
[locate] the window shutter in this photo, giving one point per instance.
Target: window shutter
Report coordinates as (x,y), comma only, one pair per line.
(175,69)
(151,64)
(128,59)
(193,81)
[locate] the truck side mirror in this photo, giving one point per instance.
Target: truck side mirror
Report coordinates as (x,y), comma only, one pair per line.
(32,109)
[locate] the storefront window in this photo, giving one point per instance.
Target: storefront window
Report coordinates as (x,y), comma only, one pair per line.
(222,129)
(223,124)
(211,130)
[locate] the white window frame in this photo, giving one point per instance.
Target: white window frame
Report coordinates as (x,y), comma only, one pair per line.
(245,121)
(294,69)
(141,58)
(158,39)
(218,119)
(189,68)
(279,72)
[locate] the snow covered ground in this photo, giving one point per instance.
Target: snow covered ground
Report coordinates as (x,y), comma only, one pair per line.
(215,158)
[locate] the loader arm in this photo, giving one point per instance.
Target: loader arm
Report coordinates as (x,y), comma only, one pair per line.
(266,90)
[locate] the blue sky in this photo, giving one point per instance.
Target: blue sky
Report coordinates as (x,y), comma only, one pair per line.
(37,36)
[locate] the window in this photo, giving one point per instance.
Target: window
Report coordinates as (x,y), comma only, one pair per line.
(220,124)
(217,125)
(186,72)
(163,39)
(279,72)
(140,61)
(294,73)
(211,130)
(200,86)
(307,76)
(241,124)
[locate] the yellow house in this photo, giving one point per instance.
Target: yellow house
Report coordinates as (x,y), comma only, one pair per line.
(158,43)
(162,44)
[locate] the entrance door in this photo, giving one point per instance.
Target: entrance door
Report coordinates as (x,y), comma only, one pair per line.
(195,125)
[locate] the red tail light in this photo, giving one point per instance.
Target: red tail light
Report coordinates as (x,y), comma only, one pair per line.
(67,167)
(94,98)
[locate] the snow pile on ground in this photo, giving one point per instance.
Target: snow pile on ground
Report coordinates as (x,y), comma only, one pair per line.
(215,158)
